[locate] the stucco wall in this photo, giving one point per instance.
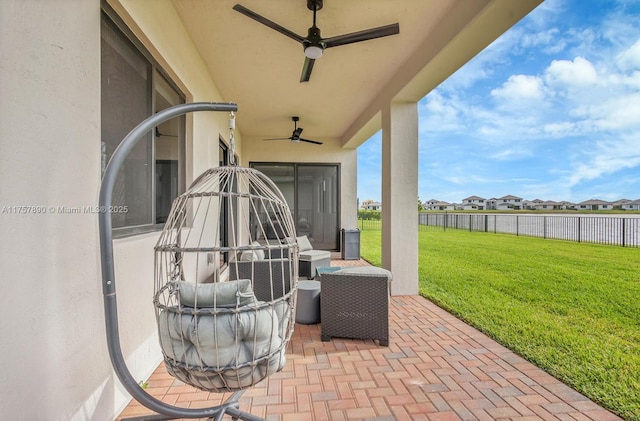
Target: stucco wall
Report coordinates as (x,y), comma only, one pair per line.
(52,346)
(55,364)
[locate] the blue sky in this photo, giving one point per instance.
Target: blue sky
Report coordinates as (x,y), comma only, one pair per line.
(550,110)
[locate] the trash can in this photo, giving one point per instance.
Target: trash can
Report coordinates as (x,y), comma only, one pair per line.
(350,244)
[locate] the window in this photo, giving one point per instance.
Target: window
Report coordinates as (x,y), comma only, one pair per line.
(133,87)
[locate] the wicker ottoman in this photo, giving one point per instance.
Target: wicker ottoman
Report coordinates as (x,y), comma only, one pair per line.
(310,260)
(355,304)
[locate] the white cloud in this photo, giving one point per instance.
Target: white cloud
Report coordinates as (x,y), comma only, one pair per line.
(617,113)
(549,41)
(519,87)
(509,154)
(630,58)
(565,128)
(465,179)
(606,157)
(439,113)
(579,72)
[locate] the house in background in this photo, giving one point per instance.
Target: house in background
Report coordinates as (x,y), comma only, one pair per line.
(77,75)
(371,205)
(429,204)
(595,204)
(547,205)
(438,205)
(531,204)
(618,204)
(509,202)
(564,205)
(631,205)
(473,203)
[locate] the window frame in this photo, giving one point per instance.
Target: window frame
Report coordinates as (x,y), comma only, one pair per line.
(110,17)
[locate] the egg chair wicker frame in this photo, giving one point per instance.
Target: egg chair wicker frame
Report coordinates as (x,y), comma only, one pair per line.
(163,411)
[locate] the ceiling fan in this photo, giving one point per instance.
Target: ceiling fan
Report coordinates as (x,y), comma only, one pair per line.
(313,44)
(295,136)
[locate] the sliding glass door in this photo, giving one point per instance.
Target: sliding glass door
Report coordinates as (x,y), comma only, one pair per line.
(312,193)
(317,205)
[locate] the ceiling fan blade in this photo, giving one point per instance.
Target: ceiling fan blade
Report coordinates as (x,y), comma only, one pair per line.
(367,34)
(158,134)
(253,15)
(310,141)
(278,138)
(306,69)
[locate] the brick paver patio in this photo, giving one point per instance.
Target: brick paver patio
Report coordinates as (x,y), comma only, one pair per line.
(436,367)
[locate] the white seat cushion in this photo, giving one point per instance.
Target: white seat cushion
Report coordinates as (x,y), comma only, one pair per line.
(365,270)
(314,255)
(303,243)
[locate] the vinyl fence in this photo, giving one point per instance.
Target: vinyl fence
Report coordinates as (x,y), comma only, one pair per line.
(612,230)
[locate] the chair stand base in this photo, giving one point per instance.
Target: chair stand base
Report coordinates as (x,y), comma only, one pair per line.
(229,407)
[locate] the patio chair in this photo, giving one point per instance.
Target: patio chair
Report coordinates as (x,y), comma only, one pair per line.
(271,277)
(354,304)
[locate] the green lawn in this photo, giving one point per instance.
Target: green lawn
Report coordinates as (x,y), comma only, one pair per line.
(572,309)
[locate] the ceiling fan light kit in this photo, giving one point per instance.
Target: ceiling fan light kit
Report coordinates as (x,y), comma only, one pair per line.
(313,52)
(313,44)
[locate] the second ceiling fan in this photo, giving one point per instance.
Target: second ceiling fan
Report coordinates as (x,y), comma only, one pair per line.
(313,44)
(295,136)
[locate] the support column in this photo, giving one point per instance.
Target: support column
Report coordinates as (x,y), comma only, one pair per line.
(400,195)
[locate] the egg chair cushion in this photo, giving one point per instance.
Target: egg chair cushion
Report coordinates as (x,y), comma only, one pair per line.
(228,350)
(220,294)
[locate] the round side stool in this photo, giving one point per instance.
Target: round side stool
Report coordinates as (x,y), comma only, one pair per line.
(308,302)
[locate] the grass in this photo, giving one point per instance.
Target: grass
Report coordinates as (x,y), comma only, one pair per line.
(572,309)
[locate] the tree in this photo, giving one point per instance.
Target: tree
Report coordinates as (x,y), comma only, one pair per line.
(420,207)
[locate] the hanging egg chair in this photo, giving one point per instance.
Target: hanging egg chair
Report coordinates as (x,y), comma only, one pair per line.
(224,295)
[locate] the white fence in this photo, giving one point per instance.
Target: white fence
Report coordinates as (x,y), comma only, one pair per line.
(614,230)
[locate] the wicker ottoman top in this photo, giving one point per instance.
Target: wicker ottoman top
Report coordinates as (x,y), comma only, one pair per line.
(365,270)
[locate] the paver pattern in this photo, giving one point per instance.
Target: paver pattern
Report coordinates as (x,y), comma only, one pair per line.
(436,367)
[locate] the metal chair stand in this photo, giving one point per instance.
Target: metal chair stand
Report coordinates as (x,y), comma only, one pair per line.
(163,410)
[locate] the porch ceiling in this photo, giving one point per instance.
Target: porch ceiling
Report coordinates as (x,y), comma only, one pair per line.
(260,68)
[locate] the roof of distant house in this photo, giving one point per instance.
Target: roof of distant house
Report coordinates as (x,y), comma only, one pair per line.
(594,202)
